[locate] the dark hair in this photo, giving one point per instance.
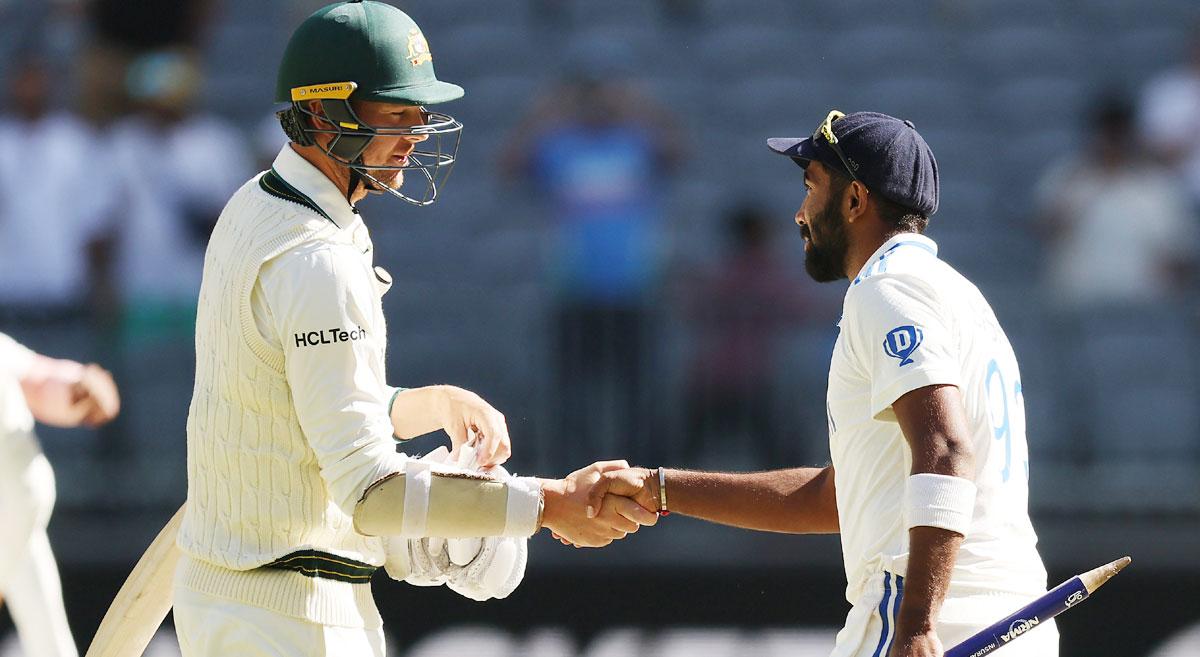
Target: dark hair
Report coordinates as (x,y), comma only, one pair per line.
(903,219)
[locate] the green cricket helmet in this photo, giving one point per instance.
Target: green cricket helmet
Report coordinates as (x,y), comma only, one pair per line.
(368,51)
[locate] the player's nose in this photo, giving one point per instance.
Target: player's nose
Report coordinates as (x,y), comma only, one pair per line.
(408,145)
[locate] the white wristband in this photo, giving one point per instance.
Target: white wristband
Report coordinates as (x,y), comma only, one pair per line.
(524,498)
(942,501)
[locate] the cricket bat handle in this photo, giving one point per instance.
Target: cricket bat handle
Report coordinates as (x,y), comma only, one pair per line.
(143,601)
(1054,602)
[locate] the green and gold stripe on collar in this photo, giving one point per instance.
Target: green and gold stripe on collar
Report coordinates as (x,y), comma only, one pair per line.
(314,563)
(272,183)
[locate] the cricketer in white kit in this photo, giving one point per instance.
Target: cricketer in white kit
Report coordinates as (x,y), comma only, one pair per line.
(928,482)
(62,393)
(909,321)
(296,493)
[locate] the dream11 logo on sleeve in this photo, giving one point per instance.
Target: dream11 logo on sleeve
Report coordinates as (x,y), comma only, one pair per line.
(901,342)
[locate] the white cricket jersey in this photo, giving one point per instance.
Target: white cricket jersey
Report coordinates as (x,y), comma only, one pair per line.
(15,361)
(910,320)
(290,415)
(288,422)
(19,448)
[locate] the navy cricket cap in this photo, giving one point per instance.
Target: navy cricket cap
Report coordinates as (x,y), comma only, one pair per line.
(887,154)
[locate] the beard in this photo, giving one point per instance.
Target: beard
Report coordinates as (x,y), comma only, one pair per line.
(387,178)
(825,261)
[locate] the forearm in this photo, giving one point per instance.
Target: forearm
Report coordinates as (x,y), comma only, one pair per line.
(932,552)
(794,501)
(416,412)
(422,501)
(939,506)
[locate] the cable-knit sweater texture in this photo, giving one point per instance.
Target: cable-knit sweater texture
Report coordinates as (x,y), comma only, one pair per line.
(255,489)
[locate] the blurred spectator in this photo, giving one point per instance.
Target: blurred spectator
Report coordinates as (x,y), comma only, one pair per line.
(738,312)
(177,167)
(51,28)
(598,154)
(122,32)
(56,196)
(1170,118)
(56,392)
(1119,227)
(150,25)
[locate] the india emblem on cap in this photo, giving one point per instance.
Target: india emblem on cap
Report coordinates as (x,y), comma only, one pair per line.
(418,48)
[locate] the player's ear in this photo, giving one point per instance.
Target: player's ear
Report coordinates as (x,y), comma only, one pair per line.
(860,195)
(856,199)
(317,114)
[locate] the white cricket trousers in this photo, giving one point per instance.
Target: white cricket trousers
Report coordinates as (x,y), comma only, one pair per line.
(29,580)
(871,624)
(208,626)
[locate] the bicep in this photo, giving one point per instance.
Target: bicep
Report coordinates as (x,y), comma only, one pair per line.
(934,423)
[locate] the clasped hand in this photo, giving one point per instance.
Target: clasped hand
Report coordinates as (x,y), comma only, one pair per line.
(598,504)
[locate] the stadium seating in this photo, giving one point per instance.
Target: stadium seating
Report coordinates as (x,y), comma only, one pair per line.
(998,88)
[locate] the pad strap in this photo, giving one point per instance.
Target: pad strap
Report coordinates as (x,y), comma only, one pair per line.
(418,479)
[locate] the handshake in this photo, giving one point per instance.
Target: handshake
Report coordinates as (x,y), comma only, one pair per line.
(601,503)
(591,507)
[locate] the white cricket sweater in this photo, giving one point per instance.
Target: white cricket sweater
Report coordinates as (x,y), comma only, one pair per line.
(286,430)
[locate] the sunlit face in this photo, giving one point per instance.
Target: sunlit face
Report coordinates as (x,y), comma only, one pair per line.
(390,150)
(823,226)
